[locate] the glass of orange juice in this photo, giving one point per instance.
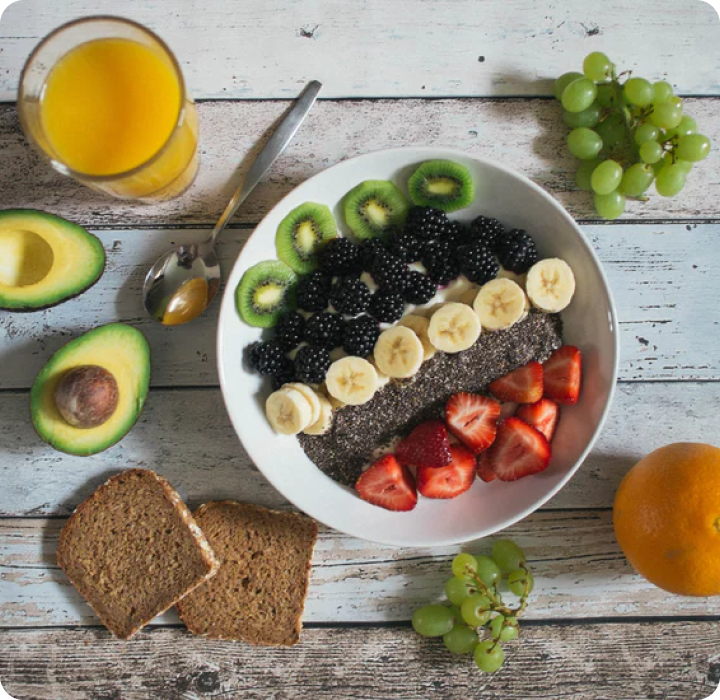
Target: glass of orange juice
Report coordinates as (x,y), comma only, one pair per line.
(103,98)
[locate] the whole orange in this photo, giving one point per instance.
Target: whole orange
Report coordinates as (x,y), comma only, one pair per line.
(667,518)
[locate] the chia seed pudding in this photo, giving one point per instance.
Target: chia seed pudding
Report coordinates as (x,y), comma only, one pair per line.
(359,431)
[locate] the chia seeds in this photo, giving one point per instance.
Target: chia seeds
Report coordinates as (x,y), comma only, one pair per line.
(359,431)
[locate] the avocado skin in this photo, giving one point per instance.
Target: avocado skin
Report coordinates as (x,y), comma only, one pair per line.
(60,221)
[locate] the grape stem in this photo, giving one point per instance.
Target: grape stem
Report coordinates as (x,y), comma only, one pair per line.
(496,602)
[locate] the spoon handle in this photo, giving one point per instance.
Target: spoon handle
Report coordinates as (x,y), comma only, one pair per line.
(271,150)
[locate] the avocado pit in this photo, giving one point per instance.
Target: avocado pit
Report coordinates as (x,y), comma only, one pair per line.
(87,396)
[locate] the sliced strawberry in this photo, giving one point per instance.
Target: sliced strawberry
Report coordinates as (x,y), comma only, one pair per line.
(523,385)
(542,415)
(518,451)
(388,484)
(563,374)
(426,446)
(484,471)
(472,419)
(451,480)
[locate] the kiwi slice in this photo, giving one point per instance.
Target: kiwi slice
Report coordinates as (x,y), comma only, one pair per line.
(441,184)
(266,291)
(302,233)
(374,208)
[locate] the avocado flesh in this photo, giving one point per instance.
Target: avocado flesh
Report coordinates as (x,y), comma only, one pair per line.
(45,260)
(120,349)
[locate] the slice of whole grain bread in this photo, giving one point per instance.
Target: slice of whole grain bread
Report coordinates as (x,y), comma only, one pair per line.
(258,595)
(133,549)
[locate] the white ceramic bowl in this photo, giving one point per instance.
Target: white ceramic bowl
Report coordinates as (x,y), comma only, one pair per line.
(589,322)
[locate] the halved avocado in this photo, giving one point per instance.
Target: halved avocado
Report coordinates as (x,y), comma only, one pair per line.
(120,349)
(45,260)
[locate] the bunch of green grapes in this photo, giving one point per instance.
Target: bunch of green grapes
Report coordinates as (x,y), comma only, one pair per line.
(628,134)
(475,602)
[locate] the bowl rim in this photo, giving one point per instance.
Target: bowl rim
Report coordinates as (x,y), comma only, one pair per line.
(446,153)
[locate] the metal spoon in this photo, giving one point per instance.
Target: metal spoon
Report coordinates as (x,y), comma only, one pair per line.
(183,282)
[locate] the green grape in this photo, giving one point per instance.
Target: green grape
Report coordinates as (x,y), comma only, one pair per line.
(665,115)
(607,94)
(508,556)
(663,162)
(476,609)
(606,177)
(598,67)
(488,571)
(686,127)
(636,179)
(457,590)
(611,130)
(455,610)
(563,81)
(518,579)
(504,628)
(693,147)
(646,132)
(639,91)
(461,639)
(584,143)
(489,656)
(676,102)
(433,620)
(588,117)
(464,565)
(651,152)
(584,173)
(579,95)
(609,206)
(684,165)
(670,180)
(662,90)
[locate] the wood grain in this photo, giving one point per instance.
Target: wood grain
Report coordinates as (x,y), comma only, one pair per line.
(371,48)
(640,661)
(526,135)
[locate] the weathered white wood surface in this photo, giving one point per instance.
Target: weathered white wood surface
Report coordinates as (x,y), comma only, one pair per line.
(404,48)
(638,661)
(527,135)
(36,480)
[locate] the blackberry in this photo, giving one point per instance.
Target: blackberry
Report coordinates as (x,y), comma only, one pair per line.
(420,289)
(325,330)
(312,364)
(389,272)
(425,222)
(361,334)
(386,306)
(340,256)
(444,271)
(312,292)
(516,251)
(486,231)
(266,358)
(456,233)
(368,250)
(284,375)
(349,295)
(406,247)
(289,330)
(477,263)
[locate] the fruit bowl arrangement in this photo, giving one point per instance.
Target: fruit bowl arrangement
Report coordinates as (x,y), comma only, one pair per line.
(446,307)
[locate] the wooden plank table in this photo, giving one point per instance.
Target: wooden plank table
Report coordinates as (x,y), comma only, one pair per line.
(594,629)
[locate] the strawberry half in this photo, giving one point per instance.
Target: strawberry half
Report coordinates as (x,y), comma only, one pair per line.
(523,385)
(472,419)
(542,415)
(563,375)
(485,472)
(518,451)
(426,446)
(451,480)
(388,484)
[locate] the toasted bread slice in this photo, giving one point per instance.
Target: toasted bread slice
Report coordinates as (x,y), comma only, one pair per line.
(133,549)
(258,595)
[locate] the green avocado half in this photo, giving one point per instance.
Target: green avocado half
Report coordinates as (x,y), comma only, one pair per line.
(120,349)
(45,260)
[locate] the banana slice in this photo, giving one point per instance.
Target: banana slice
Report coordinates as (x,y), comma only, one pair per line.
(550,284)
(468,296)
(398,352)
(454,327)
(352,380)
(289,411)
(323,424)
(500,303)
(510,275)
(419,325)
(310,394)
(383,379)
